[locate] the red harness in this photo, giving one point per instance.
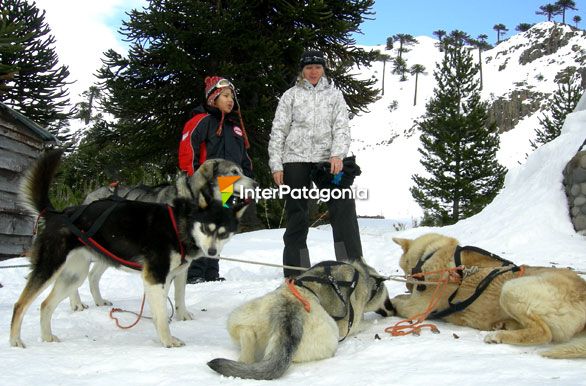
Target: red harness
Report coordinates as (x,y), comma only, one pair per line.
(91,243)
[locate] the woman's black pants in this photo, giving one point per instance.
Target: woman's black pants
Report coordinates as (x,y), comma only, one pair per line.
(342,213)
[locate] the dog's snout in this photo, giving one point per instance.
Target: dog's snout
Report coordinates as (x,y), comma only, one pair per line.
(212,251)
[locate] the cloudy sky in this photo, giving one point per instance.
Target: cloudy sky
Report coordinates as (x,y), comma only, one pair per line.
(83,30)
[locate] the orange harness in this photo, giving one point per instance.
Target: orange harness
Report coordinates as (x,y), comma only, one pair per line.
(415,324)
(295,292)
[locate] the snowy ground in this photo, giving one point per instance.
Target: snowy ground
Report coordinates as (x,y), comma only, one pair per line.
(526,223)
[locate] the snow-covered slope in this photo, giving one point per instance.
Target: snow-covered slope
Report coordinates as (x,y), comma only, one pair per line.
(386,142)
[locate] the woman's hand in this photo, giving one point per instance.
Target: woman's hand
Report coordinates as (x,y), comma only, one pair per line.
(278,177)
(335,165)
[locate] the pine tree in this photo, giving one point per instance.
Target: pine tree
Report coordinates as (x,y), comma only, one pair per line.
(564,101)
(482,45)
(404,40)
(37,86)
(564,5)
(523,27)
(549,10)
(440,33)
(175,44)
(500,29)
(576,19)
(458,146)
(400,67)
(416,70)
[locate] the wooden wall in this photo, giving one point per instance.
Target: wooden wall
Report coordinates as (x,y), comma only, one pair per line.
(19,147)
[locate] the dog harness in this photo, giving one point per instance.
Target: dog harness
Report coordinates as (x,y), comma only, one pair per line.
(86,237)
(337,286)
(461,305)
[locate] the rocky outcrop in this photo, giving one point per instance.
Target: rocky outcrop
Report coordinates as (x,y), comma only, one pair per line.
(508,110)
(575,186)
(547,41)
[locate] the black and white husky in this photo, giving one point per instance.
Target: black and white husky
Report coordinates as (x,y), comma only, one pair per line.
(203,182)
(157,239)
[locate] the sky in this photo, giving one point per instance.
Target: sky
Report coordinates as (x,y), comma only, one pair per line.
(84,29)
(527,223)
(422,17)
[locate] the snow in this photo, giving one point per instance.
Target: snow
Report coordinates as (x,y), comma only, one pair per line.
(527,223)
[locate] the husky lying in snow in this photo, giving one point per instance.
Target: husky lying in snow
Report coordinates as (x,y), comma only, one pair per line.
(543,305)
(157,239)
(277,329)
(203,181)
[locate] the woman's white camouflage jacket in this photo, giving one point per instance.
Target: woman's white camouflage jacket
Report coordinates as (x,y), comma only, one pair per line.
(310,125)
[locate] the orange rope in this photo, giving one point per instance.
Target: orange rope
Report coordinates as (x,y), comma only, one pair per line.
(414,324)
(293,289)
(139,315)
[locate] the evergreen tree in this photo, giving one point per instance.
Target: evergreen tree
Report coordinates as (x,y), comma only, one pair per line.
(564,101)
(440,33)
(400,67)
(482,44)
(416,70)
(523,27)
(458,146)
(37,83)
(564,5)
(576,19)
(549,10)
(10,44)
(384,58)
(404,40)
(175,44)
(500,29)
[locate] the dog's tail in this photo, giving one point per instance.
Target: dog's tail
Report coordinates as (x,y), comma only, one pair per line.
(576,348)
(287,330)
(34,187)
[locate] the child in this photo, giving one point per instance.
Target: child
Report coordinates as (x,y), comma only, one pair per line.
(215,131)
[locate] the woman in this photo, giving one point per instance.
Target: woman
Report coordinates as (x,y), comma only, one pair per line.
(310,127)
(215,131)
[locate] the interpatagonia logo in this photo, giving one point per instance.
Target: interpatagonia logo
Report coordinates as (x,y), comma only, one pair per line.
(226,184)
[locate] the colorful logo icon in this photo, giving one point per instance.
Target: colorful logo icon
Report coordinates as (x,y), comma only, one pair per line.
(226,184)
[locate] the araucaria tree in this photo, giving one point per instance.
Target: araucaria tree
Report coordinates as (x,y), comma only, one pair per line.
(458,145)
(175,44)
(564,102)
(34,82)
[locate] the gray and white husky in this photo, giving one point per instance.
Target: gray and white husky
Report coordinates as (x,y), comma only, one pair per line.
(158,240)
(203,182)
(279,328)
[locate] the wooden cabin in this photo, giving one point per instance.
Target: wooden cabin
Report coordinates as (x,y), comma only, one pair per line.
(21,142)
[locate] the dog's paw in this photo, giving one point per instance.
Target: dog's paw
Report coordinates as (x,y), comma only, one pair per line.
(17,342)
(103,303)
(182,315)
(174,343)
(78,307)
(493,337)
(51,338)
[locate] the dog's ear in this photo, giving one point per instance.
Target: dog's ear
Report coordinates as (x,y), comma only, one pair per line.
(182,185)
(404,243)
(207,169)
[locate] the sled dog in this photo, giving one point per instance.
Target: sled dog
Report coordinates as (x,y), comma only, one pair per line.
(203,181)
(277,329)
(157,239)
(529,306)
